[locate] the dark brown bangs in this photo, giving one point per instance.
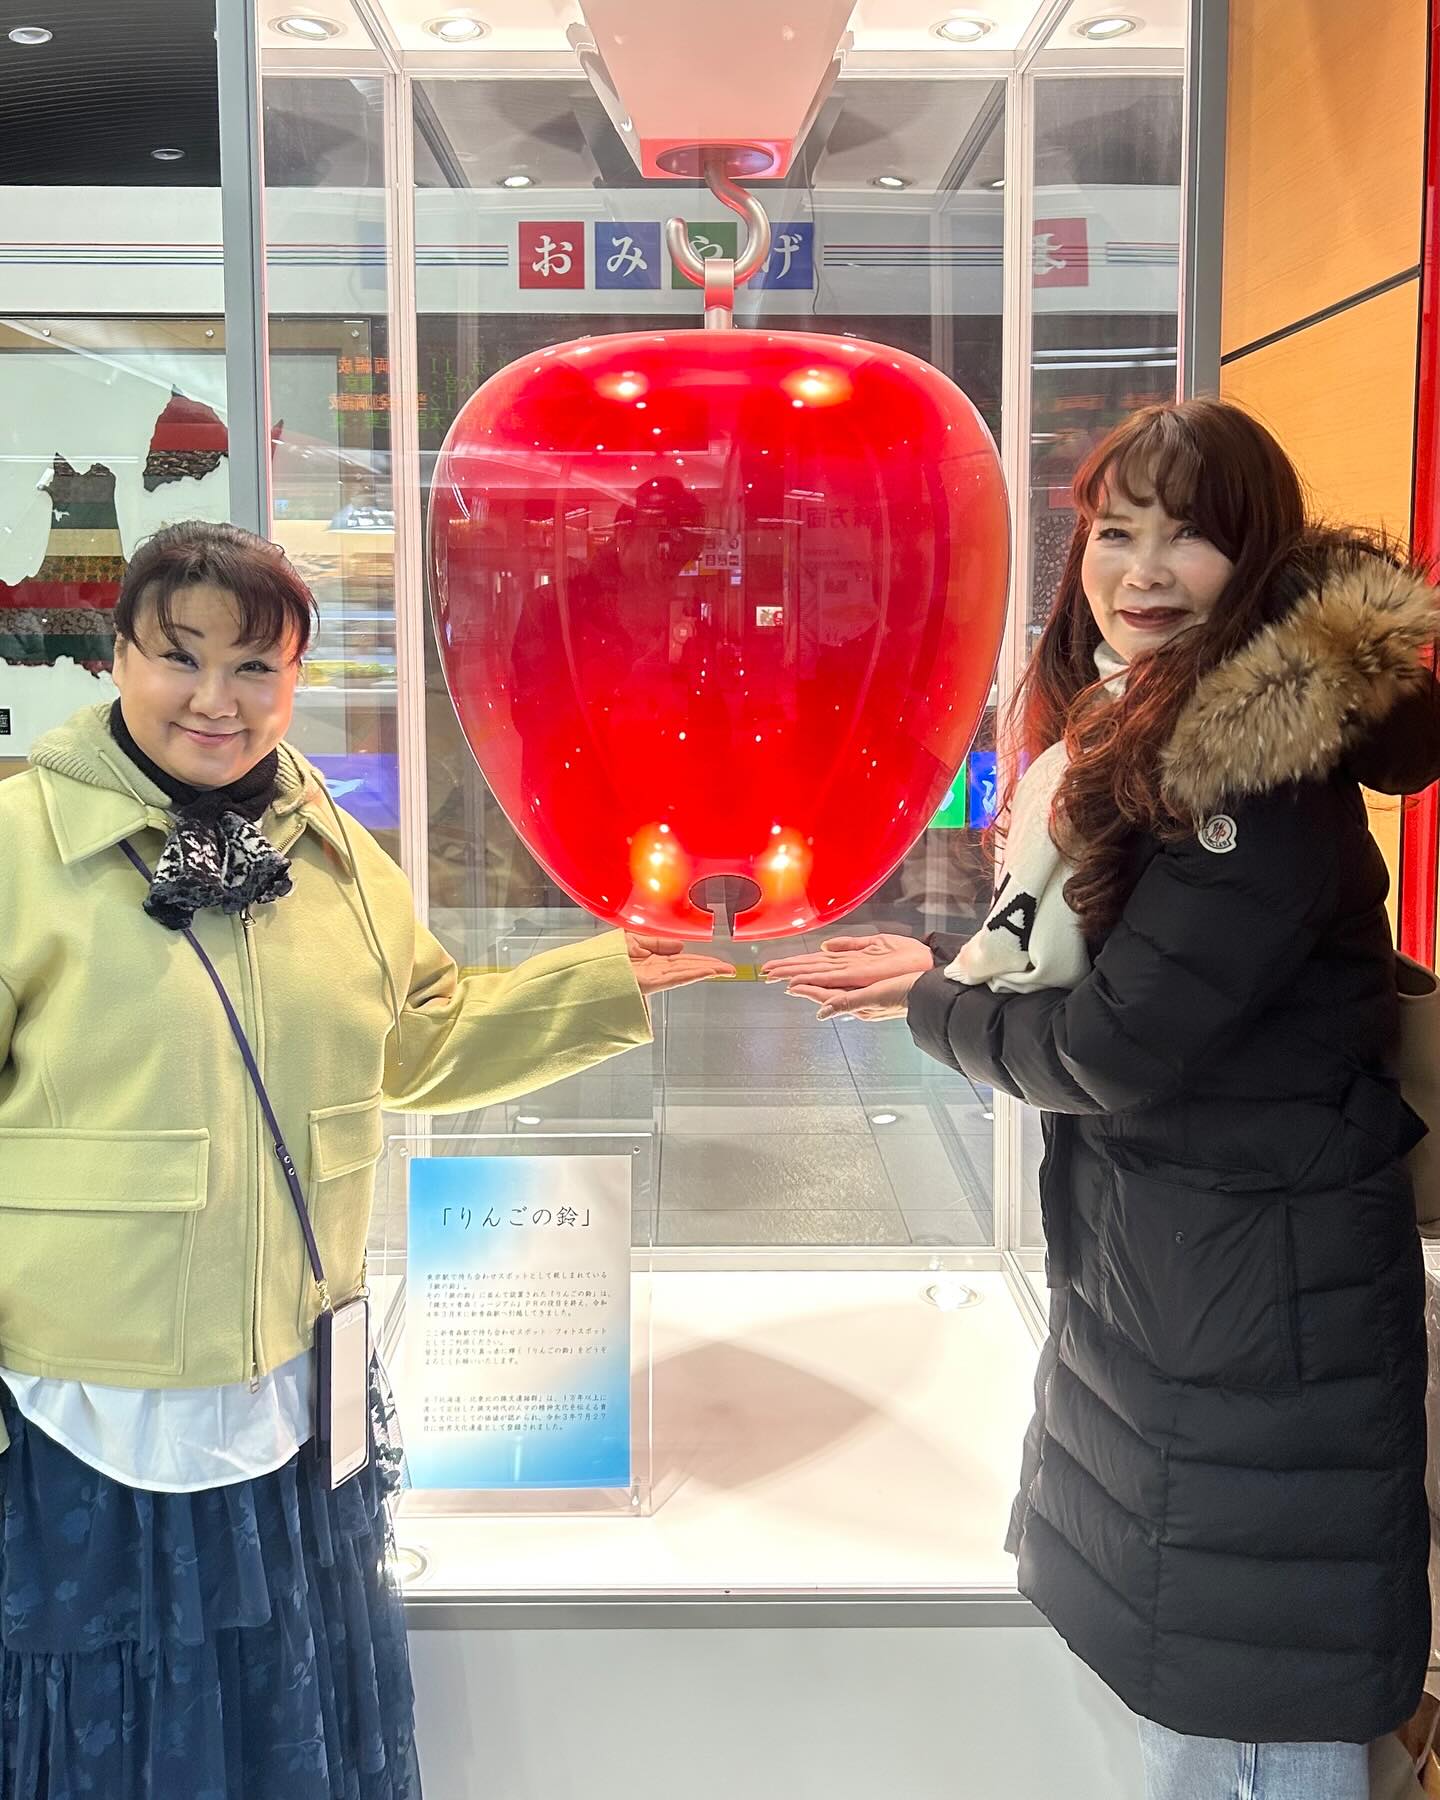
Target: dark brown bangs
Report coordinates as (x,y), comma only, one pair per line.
(1153,458)
(272,604)
(263,618)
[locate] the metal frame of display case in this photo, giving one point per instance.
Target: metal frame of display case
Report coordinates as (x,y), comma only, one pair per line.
(1038,56)
(1202,191)
(440,1611)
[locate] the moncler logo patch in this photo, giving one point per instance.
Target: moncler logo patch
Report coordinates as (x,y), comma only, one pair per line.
(1219,834)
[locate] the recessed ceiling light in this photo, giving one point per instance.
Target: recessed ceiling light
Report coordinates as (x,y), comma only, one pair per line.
(890,181)
(168,153)
(1106,26)
(527,1118)
(456,28)
(309,26)
(997,183)
(963,28)
(517,181)
(30,34)
(883,1118)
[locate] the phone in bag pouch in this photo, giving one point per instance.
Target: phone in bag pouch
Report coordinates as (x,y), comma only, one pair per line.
(342,1390)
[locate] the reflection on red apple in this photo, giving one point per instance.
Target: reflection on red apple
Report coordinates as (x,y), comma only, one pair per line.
(719,604)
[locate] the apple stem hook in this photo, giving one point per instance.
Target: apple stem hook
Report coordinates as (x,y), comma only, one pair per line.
(719,276)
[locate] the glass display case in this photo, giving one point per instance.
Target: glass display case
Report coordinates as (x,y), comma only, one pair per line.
(840,1247)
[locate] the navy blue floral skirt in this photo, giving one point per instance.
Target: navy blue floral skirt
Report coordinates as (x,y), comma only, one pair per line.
(244,1643)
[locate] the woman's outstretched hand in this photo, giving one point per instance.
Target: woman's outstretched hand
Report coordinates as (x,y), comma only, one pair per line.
(851,962)
(661,963)
(888,999)
(855,977)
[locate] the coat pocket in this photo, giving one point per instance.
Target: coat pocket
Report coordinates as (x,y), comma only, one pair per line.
(97,1230)
(1202,1282)
(345,1145)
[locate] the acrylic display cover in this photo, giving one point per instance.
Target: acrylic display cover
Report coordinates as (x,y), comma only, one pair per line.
(719,612)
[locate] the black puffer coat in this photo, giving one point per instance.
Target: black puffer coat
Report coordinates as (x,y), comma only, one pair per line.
(1222,1507)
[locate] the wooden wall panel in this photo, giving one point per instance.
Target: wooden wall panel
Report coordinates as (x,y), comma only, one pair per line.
(1386,818)
(1340,396)
(1325,150)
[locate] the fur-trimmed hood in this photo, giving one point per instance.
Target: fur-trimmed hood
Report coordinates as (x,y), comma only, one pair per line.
(1337,682)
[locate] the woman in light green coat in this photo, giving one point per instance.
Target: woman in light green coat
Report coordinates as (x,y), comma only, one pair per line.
(187,1608)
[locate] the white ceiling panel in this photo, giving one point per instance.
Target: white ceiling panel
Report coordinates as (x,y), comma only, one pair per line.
(879,26)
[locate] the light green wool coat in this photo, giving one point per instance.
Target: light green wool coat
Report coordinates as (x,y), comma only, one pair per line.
(147,1237)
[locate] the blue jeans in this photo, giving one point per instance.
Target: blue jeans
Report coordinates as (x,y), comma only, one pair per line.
(1199,1768)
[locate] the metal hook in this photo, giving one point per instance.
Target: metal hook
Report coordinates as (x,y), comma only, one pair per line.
(720,275)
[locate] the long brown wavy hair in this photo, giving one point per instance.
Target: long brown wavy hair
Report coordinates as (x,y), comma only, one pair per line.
(1215,467)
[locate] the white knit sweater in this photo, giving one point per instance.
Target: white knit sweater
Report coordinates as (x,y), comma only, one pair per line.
(1030,938)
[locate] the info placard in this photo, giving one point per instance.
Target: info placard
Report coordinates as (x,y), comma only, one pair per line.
(518,1322)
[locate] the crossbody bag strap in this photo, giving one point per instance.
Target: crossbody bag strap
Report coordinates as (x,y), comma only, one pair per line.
(287,1162)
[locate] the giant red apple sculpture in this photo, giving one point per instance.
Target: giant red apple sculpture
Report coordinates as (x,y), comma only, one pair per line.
(719,611)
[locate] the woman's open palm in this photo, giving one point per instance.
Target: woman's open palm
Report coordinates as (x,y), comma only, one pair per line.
(664,963)
(852,962)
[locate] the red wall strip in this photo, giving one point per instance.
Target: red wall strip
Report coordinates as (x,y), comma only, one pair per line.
(1420,836)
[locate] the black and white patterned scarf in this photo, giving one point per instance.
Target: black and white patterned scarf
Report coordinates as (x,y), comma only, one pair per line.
(216,855)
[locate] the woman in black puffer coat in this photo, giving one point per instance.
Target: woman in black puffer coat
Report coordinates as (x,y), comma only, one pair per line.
(1222,1505)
